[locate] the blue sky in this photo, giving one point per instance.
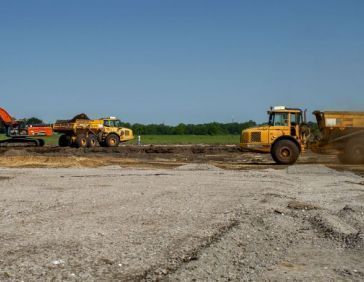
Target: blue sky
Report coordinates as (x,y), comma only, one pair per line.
(172,61)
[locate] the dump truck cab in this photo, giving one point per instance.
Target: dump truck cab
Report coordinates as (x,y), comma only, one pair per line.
(113,132)
(283,136)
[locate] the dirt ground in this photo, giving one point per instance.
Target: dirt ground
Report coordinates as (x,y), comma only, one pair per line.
(178,213)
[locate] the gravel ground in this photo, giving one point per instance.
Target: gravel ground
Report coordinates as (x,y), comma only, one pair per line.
(193,222)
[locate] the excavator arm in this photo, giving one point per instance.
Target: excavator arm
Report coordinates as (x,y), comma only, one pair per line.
(6,118)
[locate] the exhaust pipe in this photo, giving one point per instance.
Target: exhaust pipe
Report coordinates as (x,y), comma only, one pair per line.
(305,116)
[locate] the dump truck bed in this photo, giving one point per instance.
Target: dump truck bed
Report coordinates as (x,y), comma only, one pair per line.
(340,131)
(72,126)
(331,119)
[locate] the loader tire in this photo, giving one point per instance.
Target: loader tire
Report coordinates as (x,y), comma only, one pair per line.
(64,141)
(81,141)
(112,140)
(354,152)
(91,141)
(285,152)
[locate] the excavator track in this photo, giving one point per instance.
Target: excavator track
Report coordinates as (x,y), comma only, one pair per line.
(22,142)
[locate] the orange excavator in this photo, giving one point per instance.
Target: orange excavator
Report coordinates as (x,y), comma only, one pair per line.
(18,134)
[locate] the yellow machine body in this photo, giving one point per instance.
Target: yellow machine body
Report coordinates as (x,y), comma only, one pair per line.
(282,123)
(108,132)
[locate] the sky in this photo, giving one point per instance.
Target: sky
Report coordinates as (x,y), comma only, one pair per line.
(173,61)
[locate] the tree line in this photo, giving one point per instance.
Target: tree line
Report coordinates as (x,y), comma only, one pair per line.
(212,128)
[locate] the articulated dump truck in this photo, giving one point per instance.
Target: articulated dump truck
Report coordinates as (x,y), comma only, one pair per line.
(287,135)
(82,132)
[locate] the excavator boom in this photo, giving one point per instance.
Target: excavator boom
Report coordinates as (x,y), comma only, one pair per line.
(6,118)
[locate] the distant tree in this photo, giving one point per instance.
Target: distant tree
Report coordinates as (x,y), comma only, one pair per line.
(33,121)
(215,128)
(138,128)
(180,129)
(200,129)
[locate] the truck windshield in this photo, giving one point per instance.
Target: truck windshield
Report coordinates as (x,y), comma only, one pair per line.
(112,123)
(278,119)
(107,123)
(117,123)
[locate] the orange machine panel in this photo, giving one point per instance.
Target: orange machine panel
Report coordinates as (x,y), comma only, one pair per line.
(40,131)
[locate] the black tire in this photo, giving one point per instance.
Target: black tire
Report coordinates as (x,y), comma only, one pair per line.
(41,142)
(112,140)
(102,144)
(285,152)
(353,152)
(35,142)
(91,141)
(81,141)
(343,158)
(64,141)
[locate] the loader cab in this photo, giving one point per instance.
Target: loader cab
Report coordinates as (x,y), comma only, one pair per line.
(285,119)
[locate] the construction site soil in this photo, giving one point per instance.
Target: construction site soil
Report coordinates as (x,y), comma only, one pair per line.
(185,213)
(167,156)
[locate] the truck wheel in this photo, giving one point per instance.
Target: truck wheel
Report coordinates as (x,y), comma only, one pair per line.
(343,158)
(41,142)
(91,141)
(64,141)
(81,141)
(102,144)
(285,152)
(354,151)
(112,140)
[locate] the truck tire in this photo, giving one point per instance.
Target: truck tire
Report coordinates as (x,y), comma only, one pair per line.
(354,151)
(81,141)
(343,158)
(64,141)
(102,144)
(285,152)
(112,140)
(91,141)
